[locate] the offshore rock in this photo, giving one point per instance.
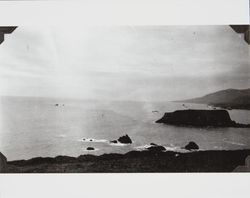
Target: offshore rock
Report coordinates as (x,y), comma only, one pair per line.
(123,139)
(200,118)
(90,148)
(191,146)
(156,148)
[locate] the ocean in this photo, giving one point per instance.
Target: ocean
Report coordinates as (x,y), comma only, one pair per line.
(47,127)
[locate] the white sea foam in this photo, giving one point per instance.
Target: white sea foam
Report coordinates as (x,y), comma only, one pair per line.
(168,148)
(174,148)
(102,141)
(117,144)
(234,143)
(143,147)
(218,147)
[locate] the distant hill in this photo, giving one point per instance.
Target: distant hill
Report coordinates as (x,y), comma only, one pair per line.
(229,99)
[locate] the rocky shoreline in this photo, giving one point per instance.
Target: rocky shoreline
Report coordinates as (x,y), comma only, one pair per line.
(135,162)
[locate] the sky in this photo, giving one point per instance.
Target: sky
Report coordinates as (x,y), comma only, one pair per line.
(140,63)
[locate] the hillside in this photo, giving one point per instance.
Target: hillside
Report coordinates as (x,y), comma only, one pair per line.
(229,98)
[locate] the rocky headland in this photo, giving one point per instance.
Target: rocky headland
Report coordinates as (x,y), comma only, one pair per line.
(227,99)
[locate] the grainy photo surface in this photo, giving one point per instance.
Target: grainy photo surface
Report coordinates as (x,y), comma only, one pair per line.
(124,99)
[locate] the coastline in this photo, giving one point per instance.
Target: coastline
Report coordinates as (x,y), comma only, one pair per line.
(135,162)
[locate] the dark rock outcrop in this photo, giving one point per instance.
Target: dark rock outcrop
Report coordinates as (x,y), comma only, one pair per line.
(123,139)
(200,118)
(90,149)
(191,146)
(156,148)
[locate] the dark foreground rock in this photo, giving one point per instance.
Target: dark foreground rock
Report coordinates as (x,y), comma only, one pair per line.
(123,139)
(191,146)
(135,161)
(200,118)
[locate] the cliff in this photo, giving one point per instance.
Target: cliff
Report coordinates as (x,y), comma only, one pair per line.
(200,118)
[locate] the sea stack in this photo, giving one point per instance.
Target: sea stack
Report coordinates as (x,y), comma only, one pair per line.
(191,146)
(125,139)
(200,118)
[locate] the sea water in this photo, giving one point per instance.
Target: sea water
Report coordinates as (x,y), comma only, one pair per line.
(32,127)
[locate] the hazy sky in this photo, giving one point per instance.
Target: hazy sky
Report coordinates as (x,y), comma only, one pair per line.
(123,63)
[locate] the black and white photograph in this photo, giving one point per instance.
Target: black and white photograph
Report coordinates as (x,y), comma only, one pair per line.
(124,99)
